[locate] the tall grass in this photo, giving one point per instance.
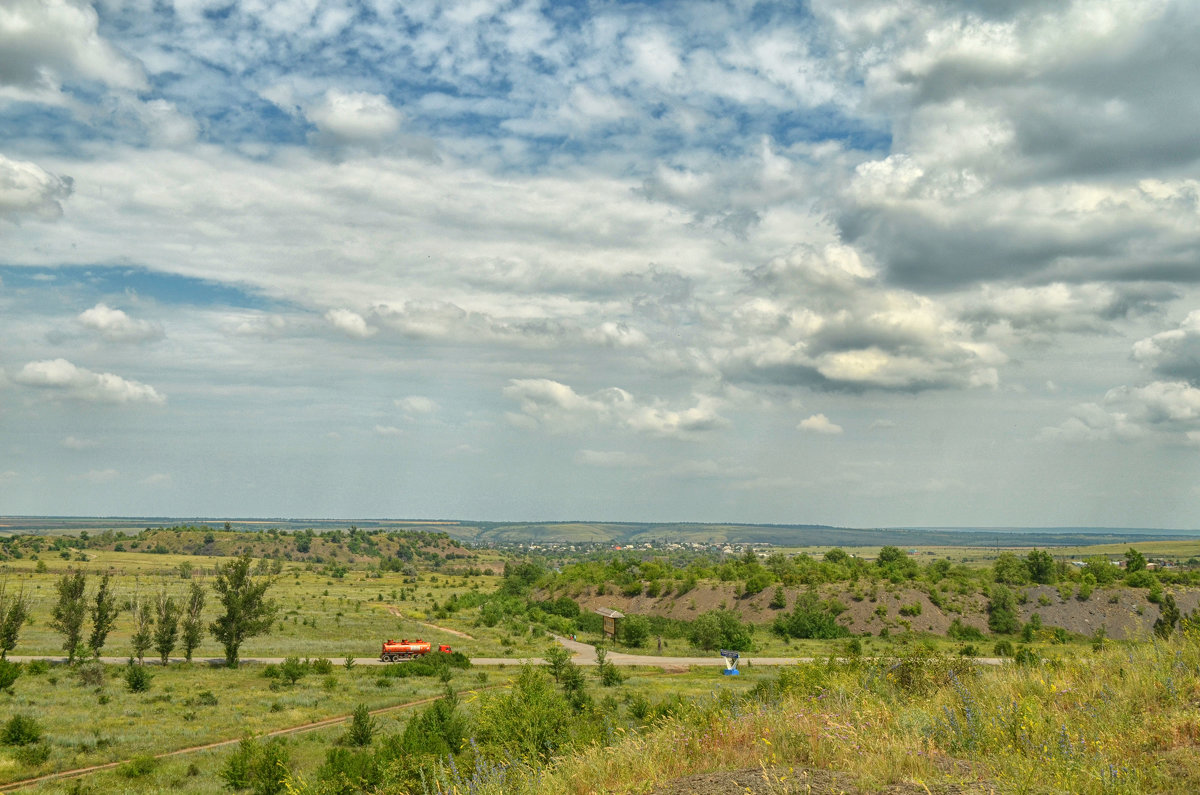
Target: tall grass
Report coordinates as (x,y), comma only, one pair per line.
(1122,720)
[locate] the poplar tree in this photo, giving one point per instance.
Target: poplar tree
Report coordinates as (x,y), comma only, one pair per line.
(70,610)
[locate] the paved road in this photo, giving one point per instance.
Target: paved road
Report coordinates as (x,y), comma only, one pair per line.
(585,654)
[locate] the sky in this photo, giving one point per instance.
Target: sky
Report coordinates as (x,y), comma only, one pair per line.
(873,263)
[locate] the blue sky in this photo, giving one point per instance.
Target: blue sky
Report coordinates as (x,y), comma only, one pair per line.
(880,263)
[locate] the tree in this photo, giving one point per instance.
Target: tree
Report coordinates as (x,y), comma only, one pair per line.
(247,611)
(70,610)
(1010,569)
(14,610)
(104,613)
(1002,611)
(1041,567)
(635,630)
(1168,617)
(556,658)
(143,628)
(192,625)
(1134,561)
(166,630)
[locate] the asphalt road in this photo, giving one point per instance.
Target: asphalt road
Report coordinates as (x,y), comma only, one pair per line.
(585,654)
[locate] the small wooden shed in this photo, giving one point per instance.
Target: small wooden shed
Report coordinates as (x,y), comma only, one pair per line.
(610,620)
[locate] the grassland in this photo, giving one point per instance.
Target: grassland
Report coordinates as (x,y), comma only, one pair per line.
(905,711)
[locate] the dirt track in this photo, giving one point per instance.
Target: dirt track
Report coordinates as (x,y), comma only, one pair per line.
(304,727)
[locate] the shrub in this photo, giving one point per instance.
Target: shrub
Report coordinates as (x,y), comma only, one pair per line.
(779,599)
(1003,648)
(21,730)
(721,629)
(33,755)
(292,670)
(37,667)
(262,767)
(635,630)
(809,619)
(960,631)
(138,767)
(9,671)
(137,678)
(91,674)
(911,610)
(362,727)
(322,666)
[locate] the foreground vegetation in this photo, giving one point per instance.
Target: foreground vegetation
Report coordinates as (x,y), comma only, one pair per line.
(1068,712)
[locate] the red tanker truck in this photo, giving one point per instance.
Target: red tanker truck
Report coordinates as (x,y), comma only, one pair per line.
(404,649)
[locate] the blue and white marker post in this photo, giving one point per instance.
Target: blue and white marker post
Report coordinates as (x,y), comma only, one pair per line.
(731,658)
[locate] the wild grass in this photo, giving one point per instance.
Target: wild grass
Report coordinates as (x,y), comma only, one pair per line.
(1123,720)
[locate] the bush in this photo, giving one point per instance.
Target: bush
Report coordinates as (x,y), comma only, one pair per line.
(721,629)
(37,667)
(138,767)
(292,670)
(362,727)
(9,671)
(960,631)
(635,630)
(91,674)
(1003,648)
(33,755)
(809,619)
(322,666)
(261,767)
(137,678)
(21,730)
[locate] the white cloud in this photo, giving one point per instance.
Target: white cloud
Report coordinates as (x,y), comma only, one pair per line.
(116,326)
(27,189)
(349,323)
(354,117)
(558,407)
(611,459)
(1168,410)
(417,404)
(44,43)
(157,479)
(819,423)
(100,475)
(76,443)
(81,384)
(1174,353)
(388,430)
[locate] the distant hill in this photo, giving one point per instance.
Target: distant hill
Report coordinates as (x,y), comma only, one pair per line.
(506,533)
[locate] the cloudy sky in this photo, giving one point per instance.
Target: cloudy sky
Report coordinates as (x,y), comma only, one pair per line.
(887,262)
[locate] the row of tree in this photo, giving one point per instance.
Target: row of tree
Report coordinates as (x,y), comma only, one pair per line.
(160,622)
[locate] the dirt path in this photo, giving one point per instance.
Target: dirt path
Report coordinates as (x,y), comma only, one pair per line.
(396,612)
(301,729)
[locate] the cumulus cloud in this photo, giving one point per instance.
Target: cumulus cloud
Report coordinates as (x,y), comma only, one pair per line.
(116,326)
(100,475)
(76,443)
(611,459)
(1161,409)
(1174,353)
(556,406)
(875,339)
(417,404)
(350,323)
(353,118)
(60,375)
(28,190)
(44,43)
(388,430)
(819,423)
